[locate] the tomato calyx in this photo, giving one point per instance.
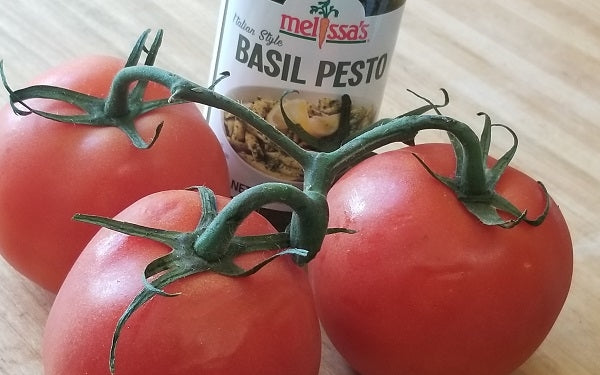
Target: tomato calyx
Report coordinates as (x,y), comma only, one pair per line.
(477,190)
(118,110)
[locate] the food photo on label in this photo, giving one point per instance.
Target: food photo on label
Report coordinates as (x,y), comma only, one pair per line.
(319,118)
(364,196)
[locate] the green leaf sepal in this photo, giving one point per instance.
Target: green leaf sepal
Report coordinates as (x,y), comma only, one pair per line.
(118,109)
(479,195)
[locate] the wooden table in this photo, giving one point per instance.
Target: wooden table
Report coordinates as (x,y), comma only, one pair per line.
(531,64)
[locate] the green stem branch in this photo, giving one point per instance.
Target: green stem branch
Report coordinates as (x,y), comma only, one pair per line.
(471,171)
(307,233)
(184,90)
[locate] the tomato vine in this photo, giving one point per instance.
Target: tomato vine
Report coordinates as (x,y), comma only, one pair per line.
(212,245)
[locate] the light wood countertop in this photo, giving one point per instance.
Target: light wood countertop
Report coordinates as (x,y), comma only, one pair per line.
(531,64)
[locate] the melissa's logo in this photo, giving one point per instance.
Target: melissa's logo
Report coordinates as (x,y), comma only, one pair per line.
(321,29)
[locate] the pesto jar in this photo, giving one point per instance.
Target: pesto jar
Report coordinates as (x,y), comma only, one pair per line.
(321,49)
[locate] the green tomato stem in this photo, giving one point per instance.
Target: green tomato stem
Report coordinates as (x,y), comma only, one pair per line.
(185,90)
(308,233)
(470,171)
(473,182)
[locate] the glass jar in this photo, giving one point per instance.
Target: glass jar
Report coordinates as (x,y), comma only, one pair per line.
(321,49)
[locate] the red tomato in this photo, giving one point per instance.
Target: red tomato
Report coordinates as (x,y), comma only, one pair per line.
(52,170)
(262,324)
(423,287)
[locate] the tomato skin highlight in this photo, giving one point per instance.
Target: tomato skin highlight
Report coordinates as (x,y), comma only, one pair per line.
(52,170)
(423,287)
(262,324)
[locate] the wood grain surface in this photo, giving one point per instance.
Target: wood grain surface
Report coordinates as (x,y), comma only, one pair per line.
(531,64)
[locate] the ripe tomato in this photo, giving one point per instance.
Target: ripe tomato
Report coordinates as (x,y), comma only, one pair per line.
(261,324)
(52,170)
(423,287)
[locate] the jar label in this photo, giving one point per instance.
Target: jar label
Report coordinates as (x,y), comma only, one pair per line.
(322,49)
